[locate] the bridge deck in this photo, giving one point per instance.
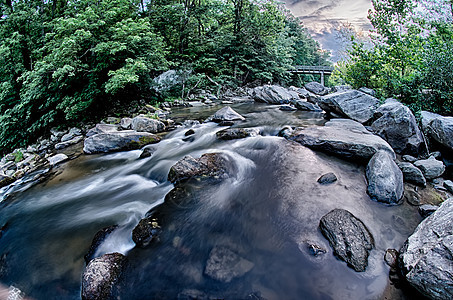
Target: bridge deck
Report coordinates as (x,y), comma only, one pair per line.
(312,70)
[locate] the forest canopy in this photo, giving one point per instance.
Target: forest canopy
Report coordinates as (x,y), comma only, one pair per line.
(67,61)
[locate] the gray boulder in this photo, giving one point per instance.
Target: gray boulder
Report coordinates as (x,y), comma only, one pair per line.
(431,167)
(426,210)
(303,93)
(426,257)
(209,165)
(351,104)
(144,124)
(237,133)
(426,117)
(368,91)
(412,174)
(126,123)
(225,114)
(118,141)
(396,124)
(448,184)
(73,132)
(327,178)
(316,88)
(56,159)
(385,179)
(274,94)
(224,265)
(100,276)
(306,106)
(349,238)
(342,137)
(74,141)
(102,128)
(441,130)
(97,241)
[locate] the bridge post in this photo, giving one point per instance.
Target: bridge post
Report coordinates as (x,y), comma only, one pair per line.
(322,78)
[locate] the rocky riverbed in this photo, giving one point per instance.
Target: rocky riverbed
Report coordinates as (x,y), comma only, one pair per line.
(275,193)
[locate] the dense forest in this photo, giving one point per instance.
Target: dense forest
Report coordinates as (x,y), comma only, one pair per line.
(66,61)
(409,55)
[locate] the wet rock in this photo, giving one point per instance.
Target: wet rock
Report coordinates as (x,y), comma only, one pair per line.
(315,249)
(98,238)
(74,141)
(100,276)
(426,117)
(396,124)
(412,197)
(327,178)
(102,128)
(286,132)
(225,114)
(441,130)
(426,210)
(126,123)
(189,132)
(448,184)
(273,94)
(237,133)
(190,123)
(409,158)
(5,180)
(342,137)
(118,141)
(352,104)
(224,265)
(303,93)
(287,108)
(306,106)
(412,174)
(209,165)
(147,230)
(436,154)
(147,152)
(73,132)
(316,88)
(431,167)
(192,295)
(426,257)
(226,123)
(349,238)
(56,159)
(368,91)
(385,179)
(144,124)
(391,258)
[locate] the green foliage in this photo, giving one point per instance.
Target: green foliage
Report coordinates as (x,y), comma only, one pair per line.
(62,62)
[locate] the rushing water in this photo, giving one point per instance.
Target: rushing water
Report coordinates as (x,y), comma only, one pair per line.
(266,212)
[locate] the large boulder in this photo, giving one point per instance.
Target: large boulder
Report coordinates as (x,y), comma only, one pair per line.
(102,128)
(209,165)
(349,238)
(441,130)
(385,179)
(431,167)
(225,114)
(98,239)
(144,124)
(100,276)
(425,118)
(237,133)
(342,137)
(316,88)
(396,124)
(148,229)
(412,174)
(118,141)
(274,94)
(426,258)
(351,104)
(306,106)
(225,265)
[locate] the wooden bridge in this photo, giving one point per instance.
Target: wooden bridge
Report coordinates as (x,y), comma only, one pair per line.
(322,70)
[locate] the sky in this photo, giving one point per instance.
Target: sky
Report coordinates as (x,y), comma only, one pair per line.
(323,17)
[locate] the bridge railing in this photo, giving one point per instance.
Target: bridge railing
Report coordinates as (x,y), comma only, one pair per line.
(313,68)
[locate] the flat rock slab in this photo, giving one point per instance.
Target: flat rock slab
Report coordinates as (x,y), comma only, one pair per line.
(426,257)
(342,137)
(349,238)
(385,179)
(352,104)
(118,141)
(224,265)
(100,276)
(209,165)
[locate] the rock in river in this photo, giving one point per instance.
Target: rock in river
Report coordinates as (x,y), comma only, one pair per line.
(316,88)
(118,141)
(349,238)
(209,165)
(224,265)
(426,258)
(148,229)
(225,114)
(441,130)
(237,133)
(431,167)
(144,124)
(100,275)
(412,174)
(352,104)
(274,94)
(385,179)
(396,124)
(342,137)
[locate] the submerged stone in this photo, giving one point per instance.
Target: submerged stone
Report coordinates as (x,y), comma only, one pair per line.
(224,265)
